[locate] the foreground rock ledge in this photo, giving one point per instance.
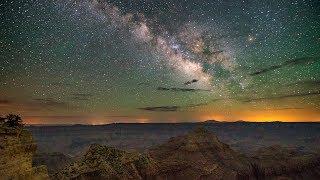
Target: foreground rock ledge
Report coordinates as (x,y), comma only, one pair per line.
(16,150)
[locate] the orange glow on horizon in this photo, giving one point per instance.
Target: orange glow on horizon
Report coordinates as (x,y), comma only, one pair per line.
(297,115)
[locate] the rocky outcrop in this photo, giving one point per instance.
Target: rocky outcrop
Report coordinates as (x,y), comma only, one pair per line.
(16,150)
(198,155)
(102,162)
(53,161)
(276,162)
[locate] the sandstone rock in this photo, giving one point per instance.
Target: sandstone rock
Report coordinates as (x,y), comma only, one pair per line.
(198,155)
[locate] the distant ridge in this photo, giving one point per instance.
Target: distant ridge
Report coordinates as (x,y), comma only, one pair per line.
(241,121)
(184,122)
(212,121)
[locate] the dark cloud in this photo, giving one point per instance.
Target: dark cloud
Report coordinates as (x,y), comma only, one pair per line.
(49,102)
(211,53)
(220,99)
(180,89)
(161,108)
(59,117)
(284,96)
(280,109)
(170,108)
(307,83)
(117,116)
(190,82)
(36,104)
(196,105)
(293,62)
(143,83)
(81,96)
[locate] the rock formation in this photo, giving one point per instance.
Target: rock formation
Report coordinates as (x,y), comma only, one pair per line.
(54,161)
(197,155)
(16,150)
(276,162)
(102,162)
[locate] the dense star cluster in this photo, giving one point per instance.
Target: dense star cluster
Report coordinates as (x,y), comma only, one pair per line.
(101,61)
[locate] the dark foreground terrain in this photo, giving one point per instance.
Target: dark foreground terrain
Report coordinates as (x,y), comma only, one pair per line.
(163,151)
(196,155)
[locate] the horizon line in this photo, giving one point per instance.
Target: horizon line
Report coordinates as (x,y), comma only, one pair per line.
(183,122)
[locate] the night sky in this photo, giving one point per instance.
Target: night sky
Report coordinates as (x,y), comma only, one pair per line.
(91,61)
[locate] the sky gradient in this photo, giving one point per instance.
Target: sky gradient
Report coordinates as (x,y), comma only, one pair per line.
(95,62)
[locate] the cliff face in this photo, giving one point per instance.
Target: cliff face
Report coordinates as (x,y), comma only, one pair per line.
(54,161)
(102,162)
(277,162)
(198,155)
(16,150)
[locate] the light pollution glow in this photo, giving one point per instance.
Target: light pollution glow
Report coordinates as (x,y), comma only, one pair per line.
(251,116)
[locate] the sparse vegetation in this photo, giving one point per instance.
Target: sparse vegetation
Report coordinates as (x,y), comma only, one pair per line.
(11,120)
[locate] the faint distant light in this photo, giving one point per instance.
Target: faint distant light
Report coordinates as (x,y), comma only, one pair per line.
(143,120)
(251,38)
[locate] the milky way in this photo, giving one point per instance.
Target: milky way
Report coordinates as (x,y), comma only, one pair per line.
(187,61)
(96,61)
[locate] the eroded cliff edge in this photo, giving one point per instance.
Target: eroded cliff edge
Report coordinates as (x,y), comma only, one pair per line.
(196,155)
(16,151)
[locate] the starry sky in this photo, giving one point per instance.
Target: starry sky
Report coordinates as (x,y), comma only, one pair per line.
(105,61)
